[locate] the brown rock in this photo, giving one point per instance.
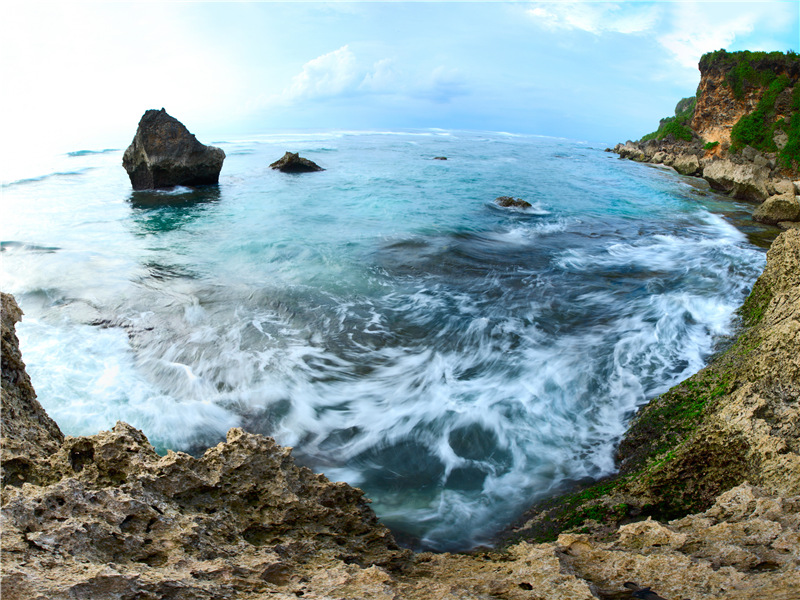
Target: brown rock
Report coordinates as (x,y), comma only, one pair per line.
(164,154)
(27,434)
(509,202)
(292,162)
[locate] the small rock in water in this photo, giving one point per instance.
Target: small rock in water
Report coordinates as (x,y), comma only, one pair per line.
(164,154)
(292,162)
(509,202)
(439,158)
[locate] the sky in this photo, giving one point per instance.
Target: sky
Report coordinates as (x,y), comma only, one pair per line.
(79,75)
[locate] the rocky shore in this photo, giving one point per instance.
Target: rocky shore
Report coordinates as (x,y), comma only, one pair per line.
(740,133)
(716,461)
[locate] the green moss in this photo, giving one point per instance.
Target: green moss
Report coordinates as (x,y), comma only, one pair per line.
(711,145)
(755,305)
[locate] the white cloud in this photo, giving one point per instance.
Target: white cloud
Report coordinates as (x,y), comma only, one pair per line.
(700,28)
(341,74)
(596,18)
(331,74)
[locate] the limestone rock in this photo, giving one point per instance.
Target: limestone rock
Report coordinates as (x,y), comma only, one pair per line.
(509,202)
(292,162)
(164,154)
(686,164)
(784,186)
(745,181)
(783,207)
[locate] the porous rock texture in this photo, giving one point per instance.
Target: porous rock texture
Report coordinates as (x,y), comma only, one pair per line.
(106,517)
(292,162)
(164,154)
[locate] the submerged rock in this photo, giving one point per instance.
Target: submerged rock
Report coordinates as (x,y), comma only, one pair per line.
(509,202)
(292,162)
(164,154)
(439,158)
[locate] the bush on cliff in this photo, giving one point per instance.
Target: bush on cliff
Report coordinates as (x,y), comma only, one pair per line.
(677,125)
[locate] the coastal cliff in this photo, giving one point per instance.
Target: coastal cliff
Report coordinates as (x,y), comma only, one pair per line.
(741,132)
(707,502)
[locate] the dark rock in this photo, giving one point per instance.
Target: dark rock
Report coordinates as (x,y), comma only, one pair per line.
(292,162)
(164,154)
(439,158)
(509,202)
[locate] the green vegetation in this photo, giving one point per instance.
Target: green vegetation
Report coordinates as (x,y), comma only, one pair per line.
(711,145)
(677,125)
(758,128)
(790,154)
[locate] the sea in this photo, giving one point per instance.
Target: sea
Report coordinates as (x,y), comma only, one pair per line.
(384,317)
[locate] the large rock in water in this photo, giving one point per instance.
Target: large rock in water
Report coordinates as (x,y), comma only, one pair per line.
(164,154)
(292,162)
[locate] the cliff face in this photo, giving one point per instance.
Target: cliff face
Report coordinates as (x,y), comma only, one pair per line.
(106,517)
(722,100)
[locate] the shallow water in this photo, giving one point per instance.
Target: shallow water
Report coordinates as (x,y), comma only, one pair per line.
(454,359)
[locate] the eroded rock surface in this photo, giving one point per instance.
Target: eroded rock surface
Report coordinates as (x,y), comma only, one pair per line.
(164,154)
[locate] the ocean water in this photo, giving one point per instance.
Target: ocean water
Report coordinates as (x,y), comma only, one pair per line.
(454,359)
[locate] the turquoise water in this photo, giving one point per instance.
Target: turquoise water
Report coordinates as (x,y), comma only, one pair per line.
(454,359)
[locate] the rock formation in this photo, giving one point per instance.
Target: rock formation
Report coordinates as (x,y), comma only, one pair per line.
(164,154)
(104,516)
(509,202)
(743,98)
(292,162)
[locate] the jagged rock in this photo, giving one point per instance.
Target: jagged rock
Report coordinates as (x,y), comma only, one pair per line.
(27,434)
(783,207)
(292,162)
(686,164)
(509,202)
(164,154)
(744,181)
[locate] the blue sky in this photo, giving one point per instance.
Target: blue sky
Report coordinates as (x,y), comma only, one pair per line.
(80,74)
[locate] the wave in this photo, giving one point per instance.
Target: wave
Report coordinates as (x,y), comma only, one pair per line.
(39,178)
(91,152)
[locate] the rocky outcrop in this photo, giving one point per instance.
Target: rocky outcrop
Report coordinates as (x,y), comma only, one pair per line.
(509,202)
(27,434)
(164,154)
(292,162)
